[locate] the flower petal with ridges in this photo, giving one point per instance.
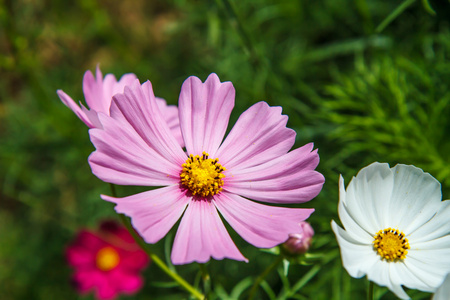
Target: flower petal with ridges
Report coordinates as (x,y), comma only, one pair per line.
(289,178)
(205,109)
(136,147)
(261,225)
(202,235)
(259,135)
(154,212)
(98,93)
(401,209)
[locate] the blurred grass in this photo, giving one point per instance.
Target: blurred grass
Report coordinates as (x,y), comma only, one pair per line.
(361,96)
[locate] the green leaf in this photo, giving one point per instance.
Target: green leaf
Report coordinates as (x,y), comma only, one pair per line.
(428,7)
(286,264)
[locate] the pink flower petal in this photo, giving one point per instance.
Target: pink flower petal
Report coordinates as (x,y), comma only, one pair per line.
(260,225)
(139,107)
(89,240)
(152,213)
(93,92)
(170,113)
(289,178)
(106,288)
(112,87)
(80,257)
(128,283)
(99,91)
(92,116)
(134,261)
(85,280)
(75,108)
(204,113)
(259,135)
(202,235)
(123,157)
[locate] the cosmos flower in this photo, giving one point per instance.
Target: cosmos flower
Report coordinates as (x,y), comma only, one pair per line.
(209,177)
(98,93)
(396,228)
(443,291)
(107,261)
(300,241)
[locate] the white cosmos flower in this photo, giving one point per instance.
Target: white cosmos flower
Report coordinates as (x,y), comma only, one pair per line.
(443,292)
(396,228)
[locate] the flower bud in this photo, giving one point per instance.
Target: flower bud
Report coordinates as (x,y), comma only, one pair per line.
(299,243)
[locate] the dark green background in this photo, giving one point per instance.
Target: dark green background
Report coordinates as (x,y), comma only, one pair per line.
(360,91)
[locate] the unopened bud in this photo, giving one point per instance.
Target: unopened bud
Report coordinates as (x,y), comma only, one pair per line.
(299,243)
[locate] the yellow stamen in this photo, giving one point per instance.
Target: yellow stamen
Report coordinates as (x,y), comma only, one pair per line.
(391,244)
(107,258)
(202,175)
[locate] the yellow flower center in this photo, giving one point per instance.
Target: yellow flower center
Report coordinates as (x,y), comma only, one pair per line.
(107,258)
(391,244)
(202,175)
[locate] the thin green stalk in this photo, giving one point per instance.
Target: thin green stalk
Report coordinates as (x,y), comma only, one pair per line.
(370,291)
(428,7)
(206,279)
(305,279)
(393,15)
(263,275)
(155,259)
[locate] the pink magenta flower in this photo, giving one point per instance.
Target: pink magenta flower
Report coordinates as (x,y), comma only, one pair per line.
(107,261)
(98,93)
(136,147)
(300,241)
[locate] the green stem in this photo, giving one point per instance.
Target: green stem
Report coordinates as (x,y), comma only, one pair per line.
(393,15)
(370,291)
(263,275)
(305,279)
(206,279)
(155,259)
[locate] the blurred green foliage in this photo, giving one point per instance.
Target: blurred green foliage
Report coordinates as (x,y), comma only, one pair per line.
(365,80)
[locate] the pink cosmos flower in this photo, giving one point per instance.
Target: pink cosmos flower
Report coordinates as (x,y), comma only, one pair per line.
(136,147)
(98,93)
(107,261)
(300,241)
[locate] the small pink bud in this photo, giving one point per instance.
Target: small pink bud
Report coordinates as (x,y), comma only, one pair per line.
(299,243)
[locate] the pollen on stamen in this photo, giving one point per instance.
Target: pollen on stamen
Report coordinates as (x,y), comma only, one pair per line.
(391,244)
(202,175)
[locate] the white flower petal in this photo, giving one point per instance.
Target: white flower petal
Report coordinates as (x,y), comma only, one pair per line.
(443,291)
(403,198)
(400,275)
(380,274)
(439,243)
(351,225)
(357,257)
(429,265)
(437,226)
(367,196)
(375,183)
(415,198)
